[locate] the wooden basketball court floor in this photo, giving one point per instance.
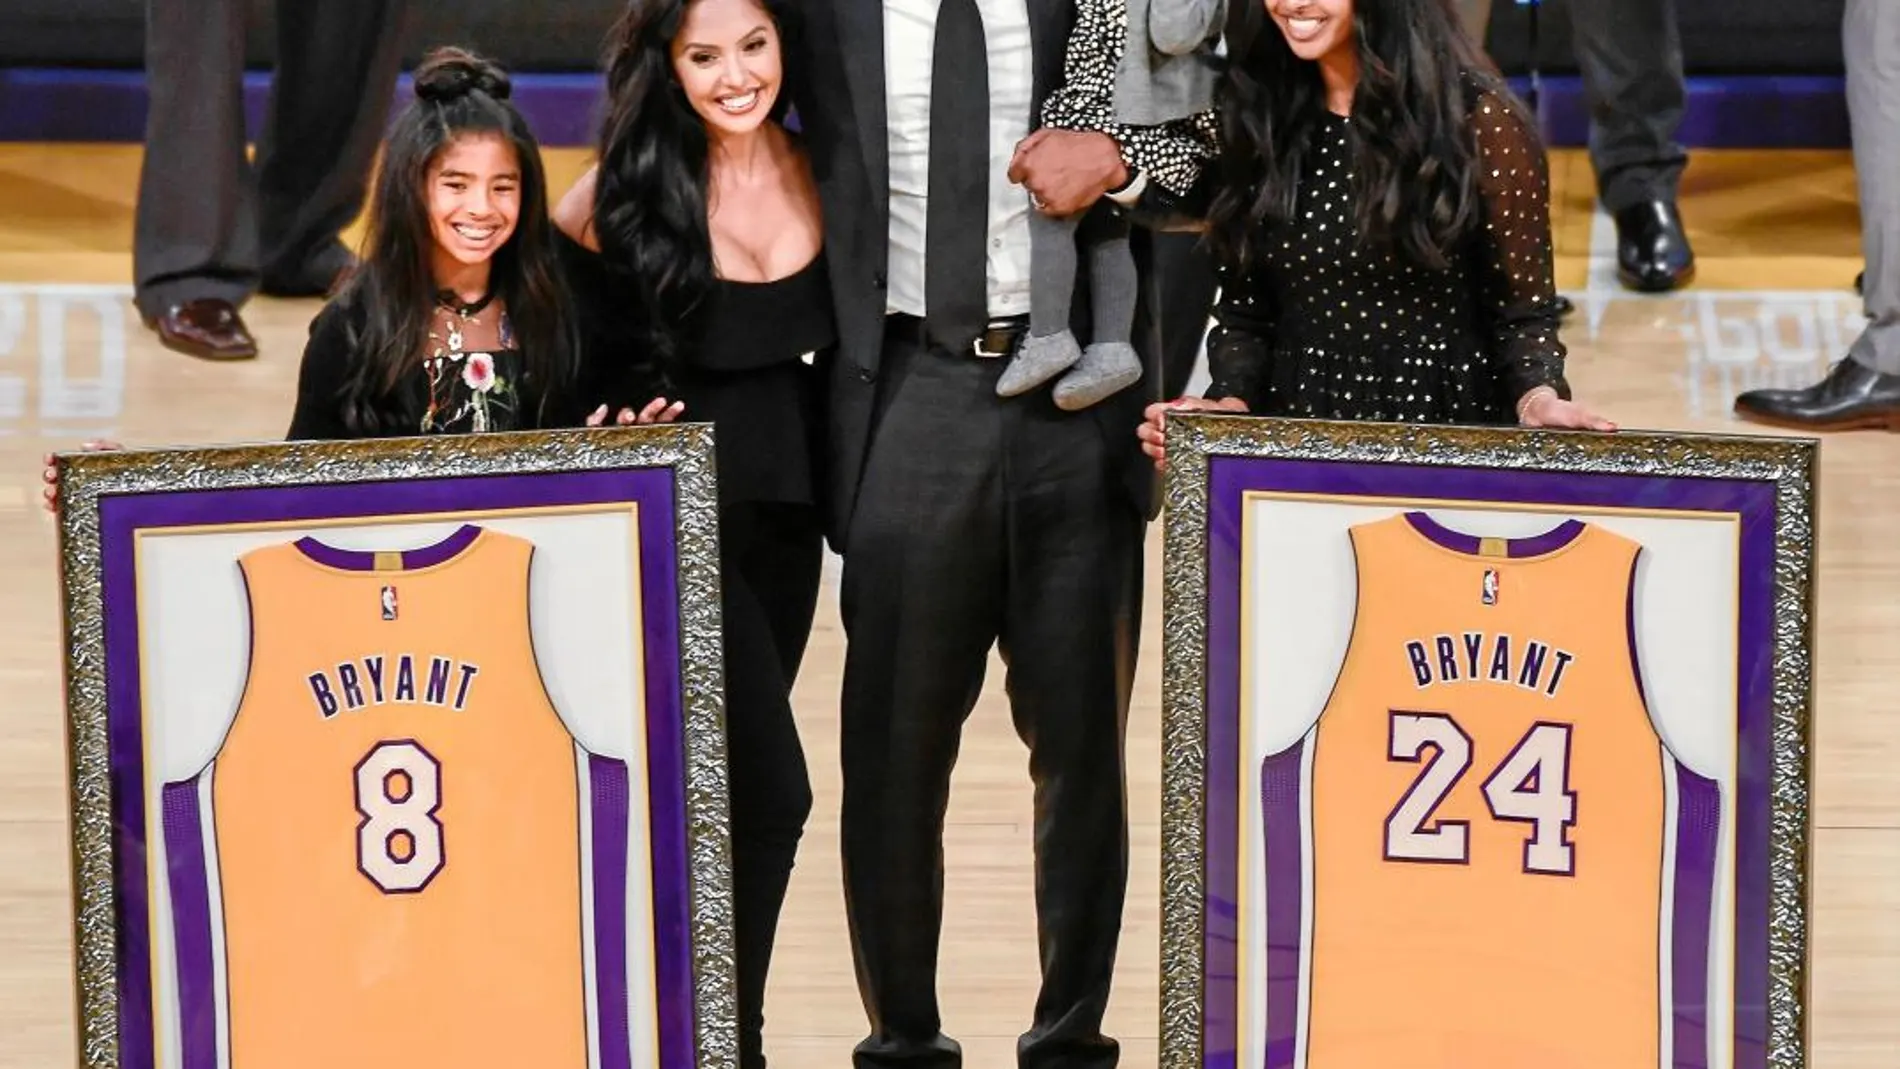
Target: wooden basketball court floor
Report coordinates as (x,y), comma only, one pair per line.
(1778,243)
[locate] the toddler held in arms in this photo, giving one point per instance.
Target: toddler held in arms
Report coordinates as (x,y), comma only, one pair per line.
(1129,63)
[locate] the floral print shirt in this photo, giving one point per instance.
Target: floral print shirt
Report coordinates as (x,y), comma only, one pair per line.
(471,392)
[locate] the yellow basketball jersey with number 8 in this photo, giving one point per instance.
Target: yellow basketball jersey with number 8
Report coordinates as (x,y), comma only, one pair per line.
(396,819)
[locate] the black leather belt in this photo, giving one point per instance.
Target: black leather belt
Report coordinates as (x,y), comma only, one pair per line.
(998,340)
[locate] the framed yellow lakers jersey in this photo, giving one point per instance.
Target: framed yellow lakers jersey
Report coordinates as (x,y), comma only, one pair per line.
(1484,747)
(1485,786)
(384,865)
(399,752)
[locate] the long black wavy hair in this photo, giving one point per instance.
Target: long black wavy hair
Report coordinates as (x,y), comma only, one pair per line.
(650,199)
(393,292)
(1414,162)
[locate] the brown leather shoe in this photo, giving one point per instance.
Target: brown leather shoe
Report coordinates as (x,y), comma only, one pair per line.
(208,328)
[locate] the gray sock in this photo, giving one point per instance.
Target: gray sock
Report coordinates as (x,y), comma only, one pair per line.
(1112,288)
(1110,364)
(1052,266)
(1050,349)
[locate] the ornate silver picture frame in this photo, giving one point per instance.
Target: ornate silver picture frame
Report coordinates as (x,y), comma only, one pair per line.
(396,746)
(1485,743)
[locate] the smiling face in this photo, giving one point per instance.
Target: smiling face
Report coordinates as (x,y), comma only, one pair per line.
(1315,30)
(726,57)
(474,189)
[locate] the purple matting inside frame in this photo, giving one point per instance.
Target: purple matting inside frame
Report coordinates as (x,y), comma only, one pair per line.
(651,488)
(1754,501)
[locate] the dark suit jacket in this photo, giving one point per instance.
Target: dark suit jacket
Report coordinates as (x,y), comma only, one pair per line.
(835,65)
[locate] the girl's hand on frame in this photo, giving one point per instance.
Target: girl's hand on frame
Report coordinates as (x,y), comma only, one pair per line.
(656,411)
(51,476)
(1153,430)
(1543,408)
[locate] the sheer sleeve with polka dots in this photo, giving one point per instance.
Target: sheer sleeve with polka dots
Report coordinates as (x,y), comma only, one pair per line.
(1240,344)
(1518,294)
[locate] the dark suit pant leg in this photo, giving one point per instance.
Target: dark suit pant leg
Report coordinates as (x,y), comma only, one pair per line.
(1069,638)
(771,556)
(194,231)
(979,521)
(922,601)
(1630,55)
(330,102)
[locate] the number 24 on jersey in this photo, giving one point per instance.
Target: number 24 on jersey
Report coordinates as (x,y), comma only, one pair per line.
(1531,785)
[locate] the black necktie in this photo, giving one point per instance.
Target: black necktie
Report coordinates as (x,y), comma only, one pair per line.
(957,217)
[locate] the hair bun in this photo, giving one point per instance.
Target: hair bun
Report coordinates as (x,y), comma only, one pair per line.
(449,73)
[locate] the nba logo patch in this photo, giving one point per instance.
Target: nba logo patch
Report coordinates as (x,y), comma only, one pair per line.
(1489,591)
(389,603)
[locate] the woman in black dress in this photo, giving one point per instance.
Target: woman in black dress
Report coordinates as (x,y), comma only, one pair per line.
(1382,219)
(695,247)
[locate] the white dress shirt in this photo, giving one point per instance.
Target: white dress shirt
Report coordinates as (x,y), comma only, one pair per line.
(909,40)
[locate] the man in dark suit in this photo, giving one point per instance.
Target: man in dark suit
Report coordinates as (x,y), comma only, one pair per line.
(968,520)
(1630,55)
(213,228)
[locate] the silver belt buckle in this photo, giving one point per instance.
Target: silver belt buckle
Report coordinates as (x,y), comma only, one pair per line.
(976,344)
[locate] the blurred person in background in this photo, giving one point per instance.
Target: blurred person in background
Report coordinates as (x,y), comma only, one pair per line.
(213,227)
(1862,390)
(1630,55)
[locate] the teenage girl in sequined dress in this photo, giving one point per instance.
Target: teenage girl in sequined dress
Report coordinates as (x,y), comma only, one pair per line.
(1381,216)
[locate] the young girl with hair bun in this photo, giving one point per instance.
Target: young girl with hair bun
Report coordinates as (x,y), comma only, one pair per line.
(458,318)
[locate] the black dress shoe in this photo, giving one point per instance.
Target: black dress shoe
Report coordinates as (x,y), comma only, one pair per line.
(1852,396)
(1652,252)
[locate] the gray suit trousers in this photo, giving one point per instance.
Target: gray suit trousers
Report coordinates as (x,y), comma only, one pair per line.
(1630,55)
(1871,33)
(210,223)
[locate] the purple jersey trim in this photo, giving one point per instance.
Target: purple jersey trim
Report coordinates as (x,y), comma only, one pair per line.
(1698,828)
(1283,820)
(1458,542)
(191,924)
(611,792)
(356,560)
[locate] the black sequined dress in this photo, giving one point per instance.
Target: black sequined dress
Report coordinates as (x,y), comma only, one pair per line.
(1326,329)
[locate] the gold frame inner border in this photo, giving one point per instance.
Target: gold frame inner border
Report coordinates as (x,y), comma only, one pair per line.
(686,449)
(1195,439)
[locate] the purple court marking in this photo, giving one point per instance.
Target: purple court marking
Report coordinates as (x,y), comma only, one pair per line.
(1229,478)
(651,488)
(1760,111)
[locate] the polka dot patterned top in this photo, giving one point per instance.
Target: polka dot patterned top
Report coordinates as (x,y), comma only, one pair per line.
(1326,329)
(1172,154)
